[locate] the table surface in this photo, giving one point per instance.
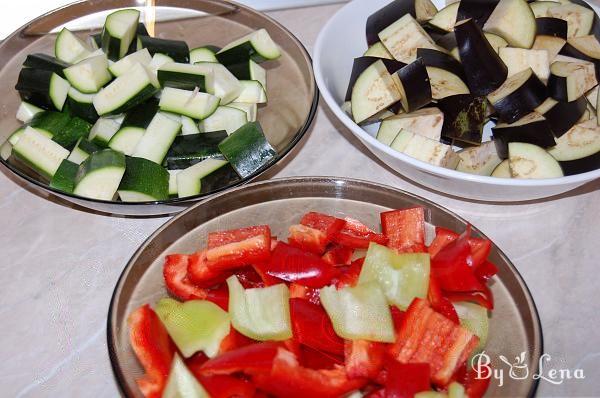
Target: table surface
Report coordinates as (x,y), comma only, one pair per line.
(59,265)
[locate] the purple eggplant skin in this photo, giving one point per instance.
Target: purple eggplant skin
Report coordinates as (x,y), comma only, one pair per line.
(478,10)
(362,63)
(447,41)
(415,81)
(521,101)
(557,88)
(464,118)
(596,24)
(548,26)
(536,133)
(386,16)
(564,115)
(484,69)
(571,51)
(441,60)
(583,165)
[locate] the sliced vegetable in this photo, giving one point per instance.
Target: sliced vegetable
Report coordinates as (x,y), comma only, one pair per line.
(39,152)
(157,139)
(182,76)
(571,79)
(176,50)
(182,383)
(143,181)
(291,264)
(221,82)
(83,148)
(414,86)
(561,116)
(89,75)
(64,177)
(445,18)
(42,88)
(74,130)
(378,50)
(425,149)
(579,18)
(532,128)
(235,248)
(224,118)
(204,54)
(427,122)
(464,117)
(103,130)
(531,161)
(480,160)
(247,149)
(119,31)
(189,180)
(193,104)
(125,64)
(421,10)
(256,45)
(403,37)
(514,21)
(81,105)
(46,62)
(100,174)
(312,327)
(69,48)
(519,59)
(405,229)
(374,90)
(474,318)
(252,92)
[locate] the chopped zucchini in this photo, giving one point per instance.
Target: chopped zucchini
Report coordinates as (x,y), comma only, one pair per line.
(247,149)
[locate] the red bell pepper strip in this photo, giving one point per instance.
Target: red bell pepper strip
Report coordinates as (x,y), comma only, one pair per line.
(428,337)
(357,235)
(486,270)
(380,393)
(439,302)
(308,239)
(153,348)
(201,274)
(249,278)
(405,229)
(233,341)
(480,250)
(442,238)
(291,264)
(338,255)
(249,359)
(476,387)
(239,247)
(312,327)
(290,380)
(406,379)
(224,386)
(484,298)
(315,359)
(397,317)
(308,293)
(175,272)
(349,275)
(363,358)
(325,223)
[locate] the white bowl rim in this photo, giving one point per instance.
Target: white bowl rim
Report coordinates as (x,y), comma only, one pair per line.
(424,166)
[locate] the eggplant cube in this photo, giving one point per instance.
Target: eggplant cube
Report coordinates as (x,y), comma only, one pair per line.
(464,117)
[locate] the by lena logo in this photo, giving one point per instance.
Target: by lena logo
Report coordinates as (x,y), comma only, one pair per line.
(518,369)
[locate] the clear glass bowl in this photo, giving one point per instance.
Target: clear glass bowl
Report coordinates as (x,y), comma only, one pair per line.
(291,87)
(514,325)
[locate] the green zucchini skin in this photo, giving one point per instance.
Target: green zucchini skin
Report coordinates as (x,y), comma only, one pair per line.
(46,62)
(224,176)
(187,150)
(184,81)
(145,176)
(140,31)
(240,53)
(98,160)
(64,178)
(176,49)
(110,46)
(247,149)
(241,70)
(50,121)
(34,87)
(141,115)
(97,38)
(74,130)
(84,110)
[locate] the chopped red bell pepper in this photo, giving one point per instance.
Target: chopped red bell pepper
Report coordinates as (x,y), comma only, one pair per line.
(239,247)
(328,224)
(429,337)
(480,250)
(439,302)
(249,278)
(406,379)
(405,229)
(308,293)
(290,380)
(338,255)
(233,341)
(379,393)
(486,270)
(175,273)
(200,273)
(397,317)
(442,238)
(249,359)
(308,239)
(312,327)
(291,264)
(476,387)
(224,386)
(315,359)
(357,235)
(363,358)
(153,348)
(349,275)
(484,298)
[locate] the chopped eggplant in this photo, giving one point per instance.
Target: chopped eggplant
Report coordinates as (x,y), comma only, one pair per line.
(481,160)
(585,48)
(378,50)
(531,161)
(519,95)
(519,59)
(532,128)
(403,37)
(445,18)
(592,97)
(581,141)
(551,44)
(444,83)
(442,60)
(425,149)
(477,10)
(374,90)
(502,170)
(563,115)
(514,21)
(362,63)
(464,117)
(413,82)
(540,8)
(571,79)
(485,70)
(583,165)
(548,26)
(422,10)
(579,19)
(427,122)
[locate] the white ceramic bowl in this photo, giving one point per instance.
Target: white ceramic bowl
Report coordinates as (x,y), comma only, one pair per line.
(340,41)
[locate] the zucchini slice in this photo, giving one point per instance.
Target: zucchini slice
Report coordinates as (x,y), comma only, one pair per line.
(189,181)
(519,59)
(421,10)
(81,105)
(183,76)
(485,70)
(16,135)
(193,104)
(444,83)
(64,178)
(123,65)
(204,54)
(69,48)
(563,115)
(250,109)
(75,129)
(445,18)
(126,91)
(188,126)
(89,75)
(103,130)
(224,118)
(143,181)
(502,170)
(82,150)
(39,152)
(481,160)
(119,31)
(177,50)
(46,62)
(403,37)
(187,150)
(51,122)
(247,149)
(134,126)
(579,18)
(249,70)
(157,139)
(425,149)
(531,161)
(100,174)
(252,92)
(581,141)
(414,86)
(43,88)
(427,122)
(514,21)
(378,50)
(159,60)
(519,95)
(571,80)
(173,183)
(532,128)
(221,82)
(464,117)
(27,111)
(374,90)
(256,45)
